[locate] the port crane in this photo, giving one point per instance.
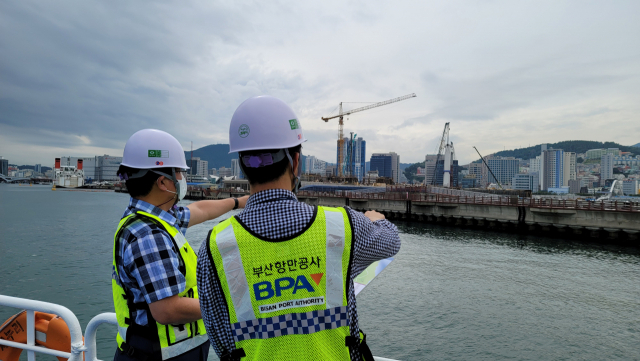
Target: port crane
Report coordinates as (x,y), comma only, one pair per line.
(341,114)
(445,149)
(487,165)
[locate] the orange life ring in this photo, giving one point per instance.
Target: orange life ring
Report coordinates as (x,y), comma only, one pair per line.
(51,332)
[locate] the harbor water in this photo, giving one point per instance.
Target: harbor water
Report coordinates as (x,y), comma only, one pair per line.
(450,294)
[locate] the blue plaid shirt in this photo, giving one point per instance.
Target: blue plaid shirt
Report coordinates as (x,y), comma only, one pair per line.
(147,260)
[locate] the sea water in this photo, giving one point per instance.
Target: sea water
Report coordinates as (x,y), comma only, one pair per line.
(450,294)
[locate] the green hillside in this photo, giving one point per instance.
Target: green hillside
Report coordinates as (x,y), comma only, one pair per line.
(216,154)
(578,146)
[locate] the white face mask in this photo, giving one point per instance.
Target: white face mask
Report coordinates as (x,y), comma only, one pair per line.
(182,188)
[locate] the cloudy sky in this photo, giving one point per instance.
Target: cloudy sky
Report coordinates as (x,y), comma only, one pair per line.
(79,77)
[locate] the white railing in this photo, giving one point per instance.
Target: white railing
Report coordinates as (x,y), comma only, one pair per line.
(77,345)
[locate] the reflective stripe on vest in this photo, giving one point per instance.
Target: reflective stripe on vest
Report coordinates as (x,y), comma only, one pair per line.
(335,247)
(267,300)
(233,268)
(173,340)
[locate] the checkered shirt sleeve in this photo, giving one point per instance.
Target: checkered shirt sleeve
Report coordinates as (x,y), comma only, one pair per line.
(147,259)
(278,214)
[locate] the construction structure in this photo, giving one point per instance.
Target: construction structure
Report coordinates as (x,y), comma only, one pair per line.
(446,151)
(342,171)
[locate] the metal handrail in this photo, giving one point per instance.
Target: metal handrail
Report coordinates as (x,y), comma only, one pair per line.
(77,344)
(507,201)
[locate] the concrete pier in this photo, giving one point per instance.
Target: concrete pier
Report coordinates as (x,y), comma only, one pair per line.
(574,220)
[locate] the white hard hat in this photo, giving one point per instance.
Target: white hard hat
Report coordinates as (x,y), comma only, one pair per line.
(264,122)
(152,148)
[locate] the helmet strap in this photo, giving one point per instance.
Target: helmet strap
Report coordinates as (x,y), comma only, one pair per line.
(174,179)
(296,182)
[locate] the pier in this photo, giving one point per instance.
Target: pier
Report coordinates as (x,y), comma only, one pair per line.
(612,220)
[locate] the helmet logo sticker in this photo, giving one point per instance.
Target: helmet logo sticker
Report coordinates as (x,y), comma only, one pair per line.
(243,131)
(294,124)
(153,153)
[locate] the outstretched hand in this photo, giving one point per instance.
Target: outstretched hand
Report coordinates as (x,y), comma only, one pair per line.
(374,216)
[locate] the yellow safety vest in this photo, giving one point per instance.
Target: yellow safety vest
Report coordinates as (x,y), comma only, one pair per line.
(287,300)
(172,340)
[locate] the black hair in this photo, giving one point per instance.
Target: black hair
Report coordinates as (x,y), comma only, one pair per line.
(140,187)
(271,172)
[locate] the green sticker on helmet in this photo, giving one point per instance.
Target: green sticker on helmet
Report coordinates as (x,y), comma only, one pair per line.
(294,124)
(243,131)
(157,153)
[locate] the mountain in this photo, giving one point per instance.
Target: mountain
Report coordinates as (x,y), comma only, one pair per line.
(578,146)
(216,154)
(636,145)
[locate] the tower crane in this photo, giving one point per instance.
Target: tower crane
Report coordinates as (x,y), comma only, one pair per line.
(342,114)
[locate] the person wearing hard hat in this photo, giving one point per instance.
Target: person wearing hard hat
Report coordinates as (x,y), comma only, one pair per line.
(276,280)
(154,268)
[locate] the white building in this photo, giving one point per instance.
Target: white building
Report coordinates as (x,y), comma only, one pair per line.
(569,167)
(504,169)
(528,181)
(106,168)
(630,186)
(225,172)
(395,167)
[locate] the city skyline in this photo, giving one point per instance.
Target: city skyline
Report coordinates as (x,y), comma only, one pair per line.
(80,79)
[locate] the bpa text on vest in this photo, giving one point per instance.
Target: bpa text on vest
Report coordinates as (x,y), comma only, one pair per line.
(265,290)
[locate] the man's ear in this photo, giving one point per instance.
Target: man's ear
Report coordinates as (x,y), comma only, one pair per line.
(160,183)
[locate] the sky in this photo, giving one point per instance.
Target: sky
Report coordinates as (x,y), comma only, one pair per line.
(77,78)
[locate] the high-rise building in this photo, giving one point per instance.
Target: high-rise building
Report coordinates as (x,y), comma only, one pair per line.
(225,172)
(354,154)
(569,167)
(552,169)
(504,169)
(198,166)
(387,165)
(395,167)
(574,186)
(476,169)
(235,166)
(381,162)
(534,164)
(525,181)
(38,168)
(313,165)
(106,168)
(630,187)
(606,168)
(4,166)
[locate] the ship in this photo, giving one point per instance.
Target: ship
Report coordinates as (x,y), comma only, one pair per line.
(68,176)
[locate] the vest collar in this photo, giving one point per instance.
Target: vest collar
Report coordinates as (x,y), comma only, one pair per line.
(270,195)
(140,205)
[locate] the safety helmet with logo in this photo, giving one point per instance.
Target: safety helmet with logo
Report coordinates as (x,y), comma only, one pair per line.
(149,149)
(265,122)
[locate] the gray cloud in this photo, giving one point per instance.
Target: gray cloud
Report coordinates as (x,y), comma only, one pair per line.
(81,76)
